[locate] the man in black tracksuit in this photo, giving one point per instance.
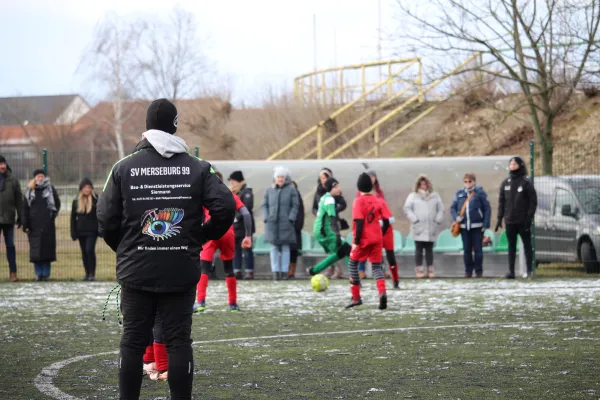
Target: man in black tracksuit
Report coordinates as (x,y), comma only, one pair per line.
(151,214)
(517,205)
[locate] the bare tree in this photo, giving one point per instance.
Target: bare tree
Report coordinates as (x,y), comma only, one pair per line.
(171,61)
(112,59)
(542,45)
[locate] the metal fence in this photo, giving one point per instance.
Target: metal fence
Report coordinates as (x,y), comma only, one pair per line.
(567,222)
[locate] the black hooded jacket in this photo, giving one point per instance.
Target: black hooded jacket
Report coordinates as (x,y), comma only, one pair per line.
(517,199)
(151,214)
(340,201)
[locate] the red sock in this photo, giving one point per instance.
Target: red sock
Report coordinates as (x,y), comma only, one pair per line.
(231,283)
(202,285)
(394,271)
(162,359)
(381,286)
(355,289)
(149,355)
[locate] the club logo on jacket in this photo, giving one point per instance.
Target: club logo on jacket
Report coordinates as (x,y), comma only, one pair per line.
(176,121)
(161,223)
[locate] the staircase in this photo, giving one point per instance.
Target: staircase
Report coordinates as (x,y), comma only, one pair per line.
(389,100)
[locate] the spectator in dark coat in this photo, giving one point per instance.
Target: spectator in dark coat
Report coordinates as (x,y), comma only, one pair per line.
(280,211)
(237,184)
(84,226)
(296,249)
(11,205)
(516,206)
(40,208)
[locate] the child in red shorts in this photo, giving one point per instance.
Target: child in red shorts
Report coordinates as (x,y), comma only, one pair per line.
(367,212)
(226,246)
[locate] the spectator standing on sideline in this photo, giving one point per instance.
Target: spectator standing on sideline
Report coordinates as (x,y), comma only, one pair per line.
(84,226)
(280,211)
(517,205)
(238,186)
(40,208)
(473,223)
(425,210)
(11,205)
(296,249)
(157,239)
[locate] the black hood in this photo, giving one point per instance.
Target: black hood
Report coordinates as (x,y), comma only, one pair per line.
(522,167)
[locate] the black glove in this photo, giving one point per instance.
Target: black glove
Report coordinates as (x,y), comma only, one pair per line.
(344,224)
(527,224)
(499,224)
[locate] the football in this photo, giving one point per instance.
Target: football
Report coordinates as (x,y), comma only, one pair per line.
(319,283)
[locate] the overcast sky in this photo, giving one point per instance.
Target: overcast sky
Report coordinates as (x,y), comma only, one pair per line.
(257,43)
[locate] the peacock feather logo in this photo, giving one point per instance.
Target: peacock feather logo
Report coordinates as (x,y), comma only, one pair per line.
(161,223)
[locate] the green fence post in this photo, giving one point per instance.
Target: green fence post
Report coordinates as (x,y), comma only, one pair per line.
(197,151)
(532,164)
(45,161)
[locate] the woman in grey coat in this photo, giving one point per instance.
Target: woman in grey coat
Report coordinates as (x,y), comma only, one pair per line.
(425,210)
(280,210)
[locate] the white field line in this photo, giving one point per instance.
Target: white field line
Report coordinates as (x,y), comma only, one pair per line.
(44,381)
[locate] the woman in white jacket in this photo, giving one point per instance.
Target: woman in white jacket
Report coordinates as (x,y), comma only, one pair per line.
(425,210)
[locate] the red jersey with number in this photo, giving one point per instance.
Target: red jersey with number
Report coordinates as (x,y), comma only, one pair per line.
(369,209)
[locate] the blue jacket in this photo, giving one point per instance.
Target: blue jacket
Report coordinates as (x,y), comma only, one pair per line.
(478,212)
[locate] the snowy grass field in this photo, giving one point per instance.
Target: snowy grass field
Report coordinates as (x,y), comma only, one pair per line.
(439,339)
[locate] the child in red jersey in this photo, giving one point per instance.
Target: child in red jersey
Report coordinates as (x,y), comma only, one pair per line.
(367,212)
(226,245)
(388,235)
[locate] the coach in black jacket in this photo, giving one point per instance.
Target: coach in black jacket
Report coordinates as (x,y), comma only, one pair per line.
(151,214)
(516,205)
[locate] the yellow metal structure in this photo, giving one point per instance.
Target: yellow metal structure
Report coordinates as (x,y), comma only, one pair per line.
(365,97)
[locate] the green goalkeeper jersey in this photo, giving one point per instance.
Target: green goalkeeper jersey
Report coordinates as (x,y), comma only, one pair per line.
(322,226)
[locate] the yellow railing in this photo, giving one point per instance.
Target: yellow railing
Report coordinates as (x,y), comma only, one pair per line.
(374,128)
(391,79)
(341,85)
(392,98)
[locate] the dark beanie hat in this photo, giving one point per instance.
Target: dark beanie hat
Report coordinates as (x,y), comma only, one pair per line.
(330,184)
(237,176)
(162,115)
(84,182)
(2,159)
(364,183)
(38,171)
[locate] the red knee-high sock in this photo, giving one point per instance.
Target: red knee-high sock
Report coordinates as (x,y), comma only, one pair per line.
(149,354)
(231,283)
(355,290)
(394,271)
(161,356)
(201,289)
(381,286)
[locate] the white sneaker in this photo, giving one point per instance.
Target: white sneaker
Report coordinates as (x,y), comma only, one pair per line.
(149,368)
(525,276)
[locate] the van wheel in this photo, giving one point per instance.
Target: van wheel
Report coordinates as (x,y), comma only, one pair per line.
(589,259)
